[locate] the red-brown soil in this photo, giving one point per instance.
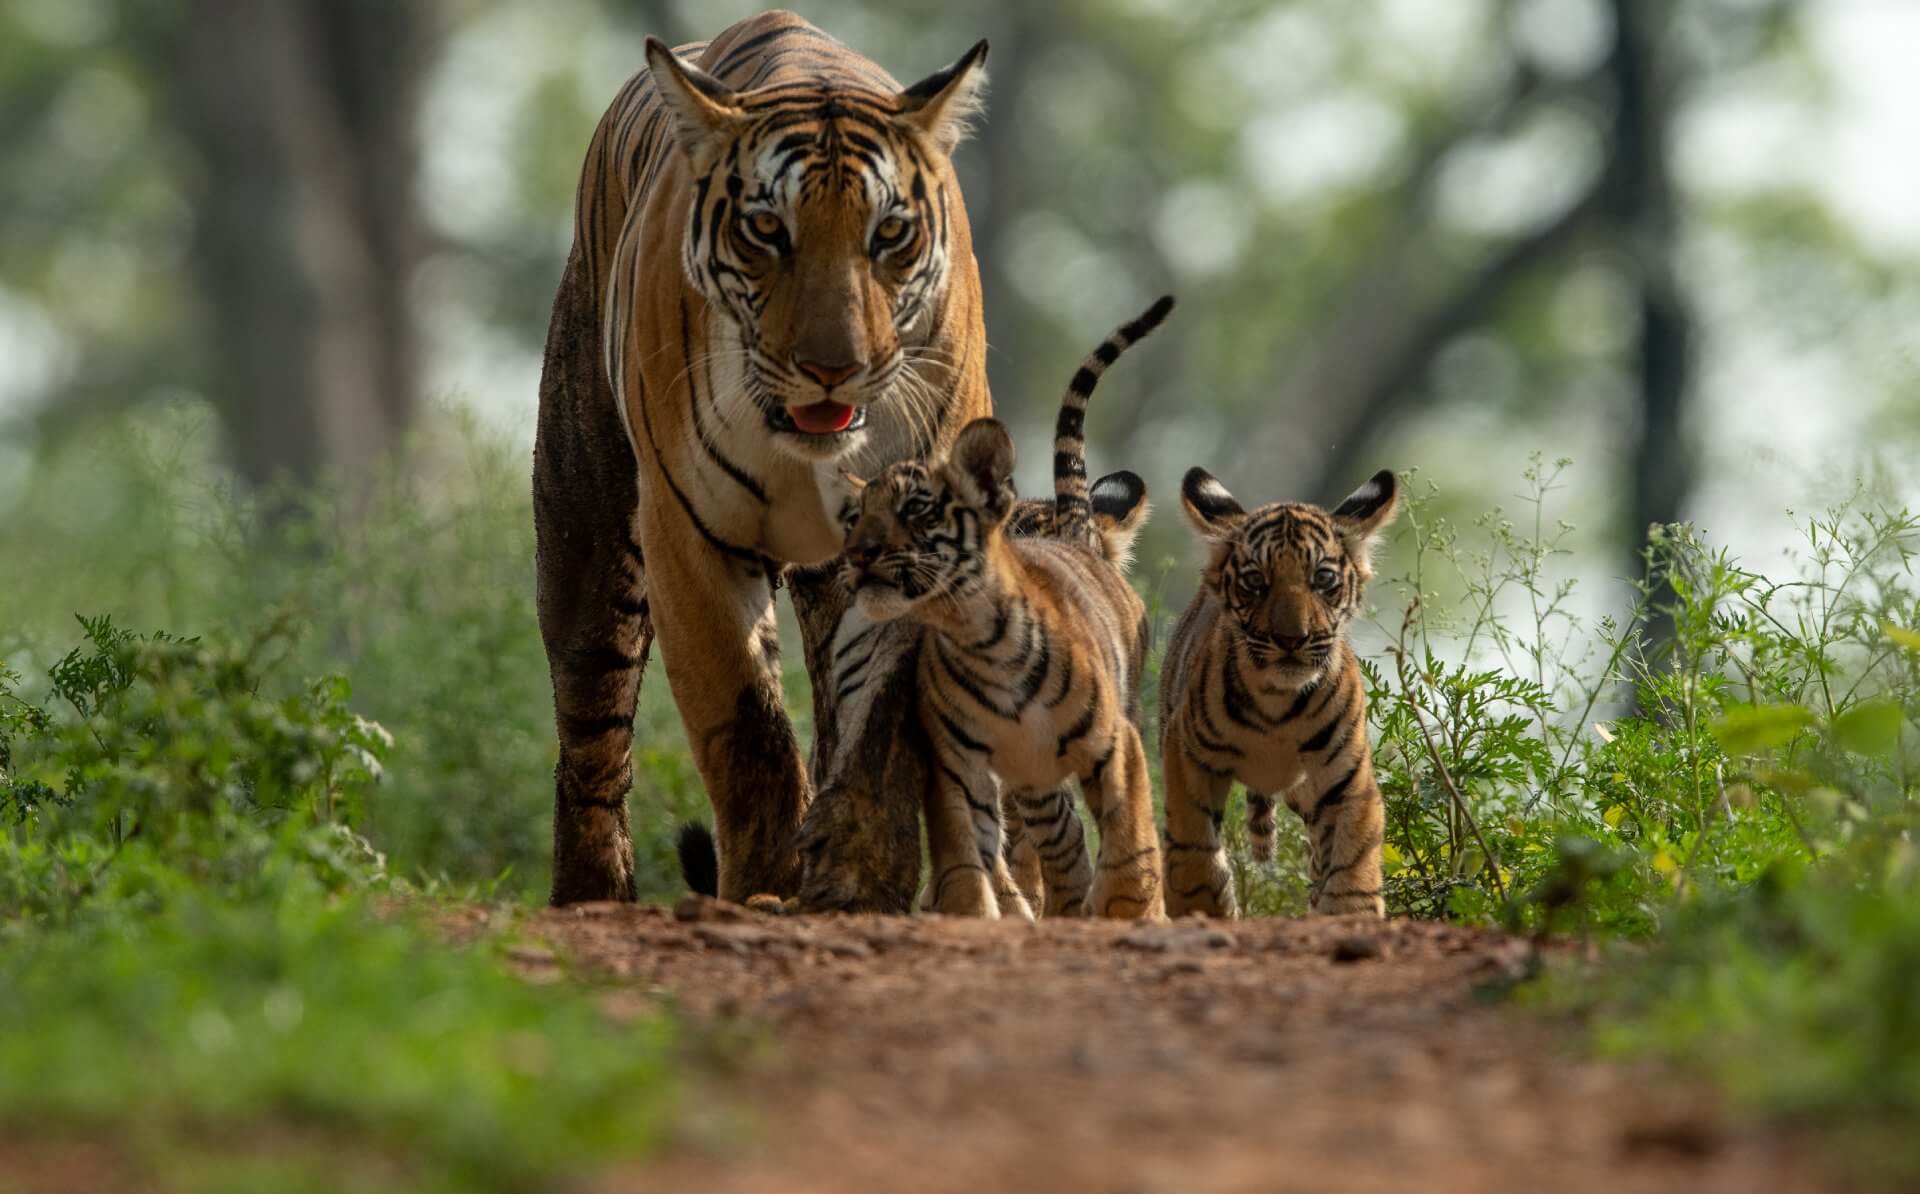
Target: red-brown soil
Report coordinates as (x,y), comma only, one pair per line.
(922,1054)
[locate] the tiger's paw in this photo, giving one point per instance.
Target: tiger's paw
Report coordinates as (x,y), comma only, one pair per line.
(773,905)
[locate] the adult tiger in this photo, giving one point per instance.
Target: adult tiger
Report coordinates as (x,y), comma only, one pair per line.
(771,282)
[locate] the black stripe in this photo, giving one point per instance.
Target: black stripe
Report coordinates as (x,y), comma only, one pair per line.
(700,432)
(960,737)
(853,643)
(1076,732)
(967,682)
(1002,617)
(1066,680)
(598,661)
(1100,767)
(1333,798)
(1237,696)
(1319,741)
(960,781)
(1299,706)
(739,52)
(577,727)
(1029,684)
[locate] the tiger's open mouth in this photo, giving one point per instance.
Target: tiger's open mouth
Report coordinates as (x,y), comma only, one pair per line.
(824,418)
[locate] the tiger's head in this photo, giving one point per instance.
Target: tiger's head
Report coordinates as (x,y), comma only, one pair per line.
(1290,575)
(922,530)
(820,229)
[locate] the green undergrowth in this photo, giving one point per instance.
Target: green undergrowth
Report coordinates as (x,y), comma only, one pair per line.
(414,580)
(200,951)
(1726,772)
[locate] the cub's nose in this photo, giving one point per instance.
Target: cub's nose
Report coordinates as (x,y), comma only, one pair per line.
(1289,642)
(859,556)
(828,376)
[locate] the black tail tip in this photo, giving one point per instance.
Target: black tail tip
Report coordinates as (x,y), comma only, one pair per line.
(699,859)
(1149,319)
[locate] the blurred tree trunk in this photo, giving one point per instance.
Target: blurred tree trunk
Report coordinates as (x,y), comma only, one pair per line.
(302,112)
(1643,211)
(1377,347)
(998,177)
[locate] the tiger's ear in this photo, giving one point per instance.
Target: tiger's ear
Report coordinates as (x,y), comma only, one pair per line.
(704,109)
(944,105)
(1367,512)
(1210,508)
(1120,509)
(980,468)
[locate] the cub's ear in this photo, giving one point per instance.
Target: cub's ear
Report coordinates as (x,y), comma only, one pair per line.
(704,109)
(1367,512)
(944,105)
(981,468)
(1119,511)
(1210,508)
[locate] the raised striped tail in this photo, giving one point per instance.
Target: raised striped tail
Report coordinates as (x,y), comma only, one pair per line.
(1073,511)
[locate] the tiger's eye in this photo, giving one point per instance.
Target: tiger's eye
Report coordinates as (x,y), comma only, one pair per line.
(888,231)
(765,225)
(1325,578)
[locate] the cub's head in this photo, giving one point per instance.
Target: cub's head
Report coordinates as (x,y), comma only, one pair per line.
(823,228)
(922,530)
(1290,575)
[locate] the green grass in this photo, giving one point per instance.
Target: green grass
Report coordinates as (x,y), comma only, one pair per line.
(201,952)
(218,1023)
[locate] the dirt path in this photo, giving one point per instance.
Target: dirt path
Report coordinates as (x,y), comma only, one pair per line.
(930,1055)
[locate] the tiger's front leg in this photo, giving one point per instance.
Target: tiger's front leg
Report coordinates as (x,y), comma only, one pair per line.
(964,833)
(860,840)
(1126,881)
(1346,823)
(719,640)
(1198,879)
(1055,836)
(1023,861)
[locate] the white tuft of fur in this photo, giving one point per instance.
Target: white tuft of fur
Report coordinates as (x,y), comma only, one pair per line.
(1117,537)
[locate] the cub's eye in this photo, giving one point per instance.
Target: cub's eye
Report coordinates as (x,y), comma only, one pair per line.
(888,233)
(915,507)
(1251,585)
(1325,579)
(765,226)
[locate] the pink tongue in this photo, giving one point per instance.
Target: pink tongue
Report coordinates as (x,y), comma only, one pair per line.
(821,418)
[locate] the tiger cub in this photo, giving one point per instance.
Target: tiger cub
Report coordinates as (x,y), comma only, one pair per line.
(1032,669)
(1260,685)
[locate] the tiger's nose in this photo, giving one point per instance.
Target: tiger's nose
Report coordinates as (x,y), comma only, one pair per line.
(828,376)
(859,555)
(1289,642)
